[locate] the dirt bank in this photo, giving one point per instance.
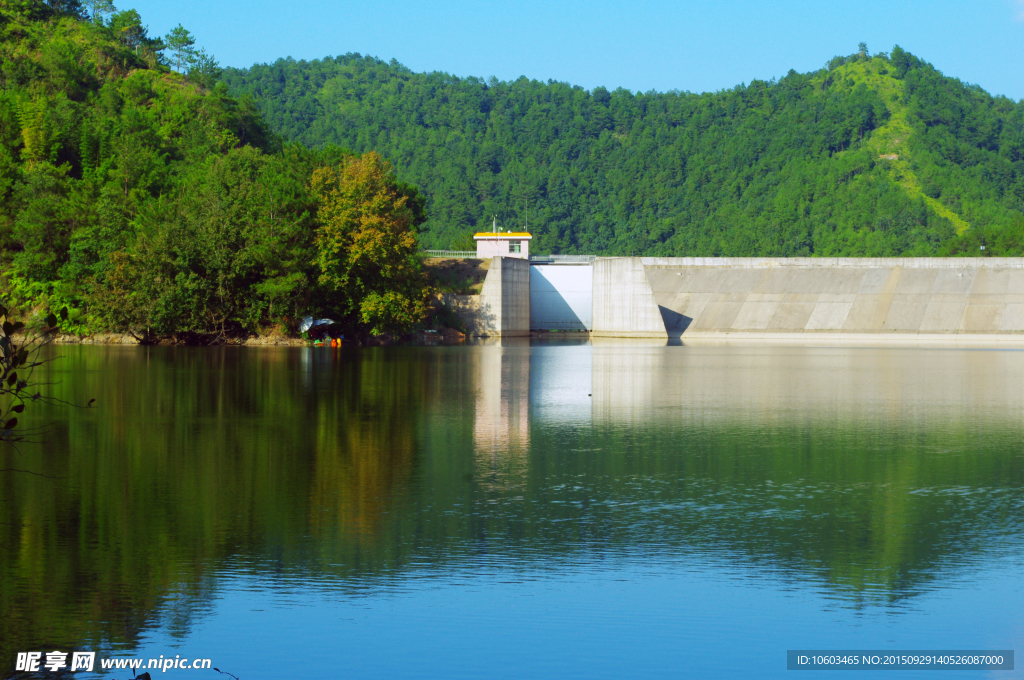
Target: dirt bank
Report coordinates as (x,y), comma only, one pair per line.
(462,276)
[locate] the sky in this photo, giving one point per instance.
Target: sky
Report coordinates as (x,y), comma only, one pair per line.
(640,45)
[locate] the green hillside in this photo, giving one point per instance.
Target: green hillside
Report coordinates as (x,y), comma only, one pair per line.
(783,168)
(138,193)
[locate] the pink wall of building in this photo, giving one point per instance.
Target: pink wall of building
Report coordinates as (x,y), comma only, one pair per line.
(503,245)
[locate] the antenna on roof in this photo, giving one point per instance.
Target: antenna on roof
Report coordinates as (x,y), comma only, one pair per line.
(494,227)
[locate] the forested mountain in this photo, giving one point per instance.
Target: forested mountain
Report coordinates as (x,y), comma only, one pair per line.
(151,201)
(870,156)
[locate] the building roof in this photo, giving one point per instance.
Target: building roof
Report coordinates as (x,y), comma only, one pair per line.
(503,234)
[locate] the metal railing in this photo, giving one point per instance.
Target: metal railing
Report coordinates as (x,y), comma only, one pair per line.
(563,258)
(451,253)
(533,258)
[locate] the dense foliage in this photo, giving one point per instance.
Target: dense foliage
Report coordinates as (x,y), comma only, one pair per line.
(145,200)
(783,168)
(367,251)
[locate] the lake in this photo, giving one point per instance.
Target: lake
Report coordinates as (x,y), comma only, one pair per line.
(516,509)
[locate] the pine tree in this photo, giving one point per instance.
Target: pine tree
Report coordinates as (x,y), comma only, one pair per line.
(181,42)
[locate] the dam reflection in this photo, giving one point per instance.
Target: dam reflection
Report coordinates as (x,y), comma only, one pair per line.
(501,426)
(641,382)
(634,384)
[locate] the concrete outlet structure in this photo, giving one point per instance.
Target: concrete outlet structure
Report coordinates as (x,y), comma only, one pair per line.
(502,309)
(609,298)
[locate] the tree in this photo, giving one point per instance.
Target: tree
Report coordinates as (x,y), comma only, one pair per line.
(100,9)
(181,42)
(203,68)
(128,29)
(367,251)
(231,256)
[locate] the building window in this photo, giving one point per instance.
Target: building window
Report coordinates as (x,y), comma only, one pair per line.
(515,246)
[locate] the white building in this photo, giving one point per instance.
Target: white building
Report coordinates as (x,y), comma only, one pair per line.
(503,244)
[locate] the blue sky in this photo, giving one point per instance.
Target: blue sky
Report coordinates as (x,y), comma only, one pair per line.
(640,45)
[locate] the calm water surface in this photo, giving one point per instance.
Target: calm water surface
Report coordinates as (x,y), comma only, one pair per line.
(518,510)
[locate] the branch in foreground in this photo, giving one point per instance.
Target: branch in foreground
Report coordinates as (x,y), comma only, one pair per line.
(19,357)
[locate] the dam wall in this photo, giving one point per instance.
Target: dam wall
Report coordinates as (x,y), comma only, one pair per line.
(890,297)
(624,305)
(961,300)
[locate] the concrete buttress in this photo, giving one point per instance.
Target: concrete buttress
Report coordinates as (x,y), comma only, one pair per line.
(624,305)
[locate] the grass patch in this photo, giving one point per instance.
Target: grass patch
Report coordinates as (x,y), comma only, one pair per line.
(893,138)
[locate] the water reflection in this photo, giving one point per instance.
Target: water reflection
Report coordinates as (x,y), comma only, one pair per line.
(874,469)
(875,476)
(915,388)
(628,378)
(501,426)
(365,444)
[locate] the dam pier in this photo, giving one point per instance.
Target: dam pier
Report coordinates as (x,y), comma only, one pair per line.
(960,300)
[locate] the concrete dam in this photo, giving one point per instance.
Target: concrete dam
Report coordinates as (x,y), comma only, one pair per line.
(860,299)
